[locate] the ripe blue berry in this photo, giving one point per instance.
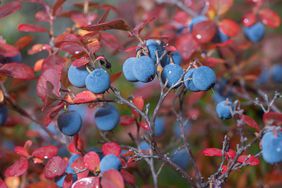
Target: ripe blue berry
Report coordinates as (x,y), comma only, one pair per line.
(153,47)
(98,81)
(203,78)
(171,74)
(144,69)
(188,80)
(144,145)
(110,162)
(106,117)
(264,77)
(272,147)
(255,32)
(3,114)
(69,123)
(127,69)
(77,76)
(181,158)
(276,73)
(159,126)
(223,109)
(175,56)
(80,108)
(195,21)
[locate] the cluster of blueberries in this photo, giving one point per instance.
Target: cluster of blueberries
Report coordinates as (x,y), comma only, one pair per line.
(144,69)
(254,33)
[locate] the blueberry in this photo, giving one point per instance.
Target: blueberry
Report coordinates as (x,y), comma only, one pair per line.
(69,123)
(223,109)
(106,117)
(196,20)
(153,47)
(217,97)
(127,69)
(171,74)
(176,58)
(144,69)
(188,80)
(264,77)
(98,81)
(272,147)
(181,158)
(110,162)
(3,114)
(276,73)
(144,145)
(80,108)
(255,32)
(159,126)
(177,129)
(203,78)
(77,76)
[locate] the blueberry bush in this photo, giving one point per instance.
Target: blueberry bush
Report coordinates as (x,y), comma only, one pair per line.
(164,93)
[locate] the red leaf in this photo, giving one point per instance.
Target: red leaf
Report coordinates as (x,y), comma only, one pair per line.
(115,76)
(112,179)
(55,167)
(23,42)
(249,19)
(138,28)
(212,152)
(18,71)
(118,24)
(126,120)
(89,182)
(92,161)
(111,148)
(21,151)
(80,62)
(8,50)
(9,8)
(49,81)
(213,61)
(128,177)
(51,113)
(85,97)
(18,168)
(39,48)
(187,45)
(221,6)
(66,37)
(269,117)
(110,40)
(139,102)
(250,121)
(252,160)
(42,16)
(79,167)
(204,31)
(269,18)
(144,125)
(73,48)
(231,154)
(229,27)
(31,28)
(57,6)
(45,152)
